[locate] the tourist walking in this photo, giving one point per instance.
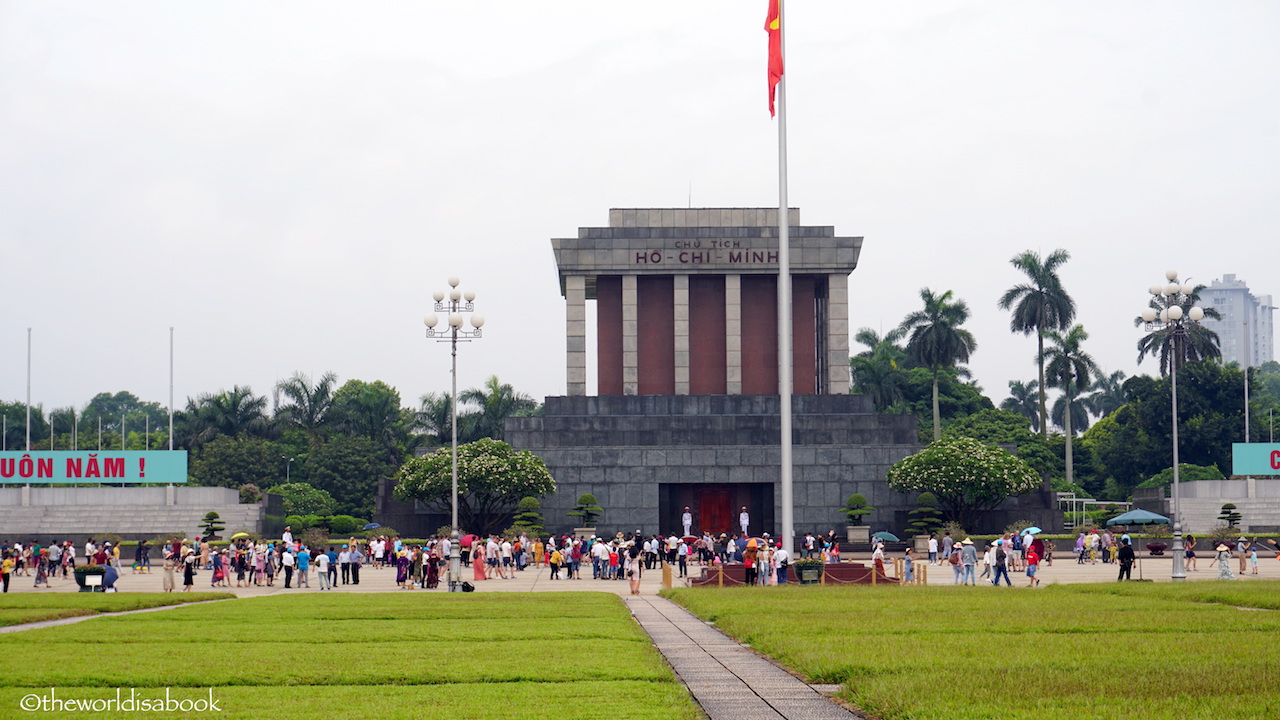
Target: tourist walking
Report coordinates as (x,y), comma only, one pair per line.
(969,559)
(1001,565)
(1126,558)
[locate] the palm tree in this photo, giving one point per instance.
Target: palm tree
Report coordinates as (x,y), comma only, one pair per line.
(1079,413)
(232,412)
(1177,347)
(878,373)
(1108,394)
(308,404)
(1039,306)
(1023,400)
(435,416)
(936,340)
(1071,369)
(498,401)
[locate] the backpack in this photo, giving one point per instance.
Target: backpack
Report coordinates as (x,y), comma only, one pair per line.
(955,558)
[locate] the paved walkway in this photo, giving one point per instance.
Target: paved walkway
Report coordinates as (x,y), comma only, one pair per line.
(727,679)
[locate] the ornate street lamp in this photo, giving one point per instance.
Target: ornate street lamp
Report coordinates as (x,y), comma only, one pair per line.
(457,303)
(1172,318)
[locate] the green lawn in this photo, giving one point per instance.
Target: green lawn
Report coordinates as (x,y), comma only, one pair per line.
(18,608)
(1109,651)
(529,656)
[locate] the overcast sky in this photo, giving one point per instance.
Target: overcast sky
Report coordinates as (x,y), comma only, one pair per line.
(286,183)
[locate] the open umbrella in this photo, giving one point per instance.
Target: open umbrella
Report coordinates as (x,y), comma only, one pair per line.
(1138,517)
(239,535)
(370,526)
(1032,530)
(886,536)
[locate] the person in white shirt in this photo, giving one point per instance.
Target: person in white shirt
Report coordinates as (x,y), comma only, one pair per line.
(322,570)
(687,520)
(507,570)
(744,520)
(286,537)
(783,558)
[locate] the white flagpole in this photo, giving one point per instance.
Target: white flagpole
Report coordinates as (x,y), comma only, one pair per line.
(784,303)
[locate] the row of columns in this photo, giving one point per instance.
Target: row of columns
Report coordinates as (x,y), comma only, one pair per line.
(837,334)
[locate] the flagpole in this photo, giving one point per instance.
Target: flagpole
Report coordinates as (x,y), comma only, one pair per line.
(784,307)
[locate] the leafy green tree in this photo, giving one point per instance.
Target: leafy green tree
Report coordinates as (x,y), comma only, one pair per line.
(1005,427)
(228,461)
(303,499)
(587,510)
(855,507)
(497,401)
(308,405)
(372,410)
(956,398)
(1070,368)
(1022,400)
(1175,347)
(111,408)
(1230,515)
(1186,473)
(348,468)
(926,518)
(492,477)
(528,517)
(1038,306)
(968,477)
(15,426)
(936,340)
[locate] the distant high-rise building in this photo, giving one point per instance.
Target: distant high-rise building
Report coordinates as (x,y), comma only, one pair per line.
(1245,329)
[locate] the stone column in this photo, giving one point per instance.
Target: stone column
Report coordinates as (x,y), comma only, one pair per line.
(630,341)
(575,299)
(733,333)
(838,334)
(682,333)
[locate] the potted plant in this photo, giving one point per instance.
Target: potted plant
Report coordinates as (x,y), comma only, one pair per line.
(925,519)
(855,507)
(588,510)
(83,571)
(808,571)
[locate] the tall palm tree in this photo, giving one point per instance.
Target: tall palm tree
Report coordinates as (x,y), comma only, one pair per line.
(435,416)
(1023,400)
(1175,349)
(1071,369)
(1039,306)
(1107,394)
(936,340)
(308,404)
(498,401)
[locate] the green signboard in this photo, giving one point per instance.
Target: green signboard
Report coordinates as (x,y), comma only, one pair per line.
(103,466)
(1255,458)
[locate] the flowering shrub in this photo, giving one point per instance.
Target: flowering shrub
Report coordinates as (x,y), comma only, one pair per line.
(492,477)
(968,478)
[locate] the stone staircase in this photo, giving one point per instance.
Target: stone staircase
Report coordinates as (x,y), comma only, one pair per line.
(128,521)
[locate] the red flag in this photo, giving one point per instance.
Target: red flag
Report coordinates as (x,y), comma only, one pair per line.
(773,26)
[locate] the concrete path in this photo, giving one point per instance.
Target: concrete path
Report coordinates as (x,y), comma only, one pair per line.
(728,680)
(81,618)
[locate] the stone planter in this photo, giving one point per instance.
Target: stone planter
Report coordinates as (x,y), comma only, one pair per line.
(922,545)
(808,575)
(584,532)
(858,534)
(81,576)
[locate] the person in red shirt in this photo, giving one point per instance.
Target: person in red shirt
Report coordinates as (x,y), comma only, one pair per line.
(1033,564)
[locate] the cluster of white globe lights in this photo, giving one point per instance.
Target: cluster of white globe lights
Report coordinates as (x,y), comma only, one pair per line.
(455,317)
(1172,313)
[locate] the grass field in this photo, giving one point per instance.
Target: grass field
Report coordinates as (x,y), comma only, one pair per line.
(18,608)
(1195,651)
(519,657)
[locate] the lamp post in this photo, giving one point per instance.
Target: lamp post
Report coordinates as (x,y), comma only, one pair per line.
(457,303)
(1171,317)
(287,466)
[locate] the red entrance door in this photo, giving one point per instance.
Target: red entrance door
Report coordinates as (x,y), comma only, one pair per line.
(714,510)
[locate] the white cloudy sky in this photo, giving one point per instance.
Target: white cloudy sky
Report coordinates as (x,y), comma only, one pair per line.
(286,183)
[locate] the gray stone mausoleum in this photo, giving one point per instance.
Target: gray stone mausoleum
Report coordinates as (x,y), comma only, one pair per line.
(686,409)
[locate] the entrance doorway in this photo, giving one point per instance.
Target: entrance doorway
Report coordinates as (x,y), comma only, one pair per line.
(715,507)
